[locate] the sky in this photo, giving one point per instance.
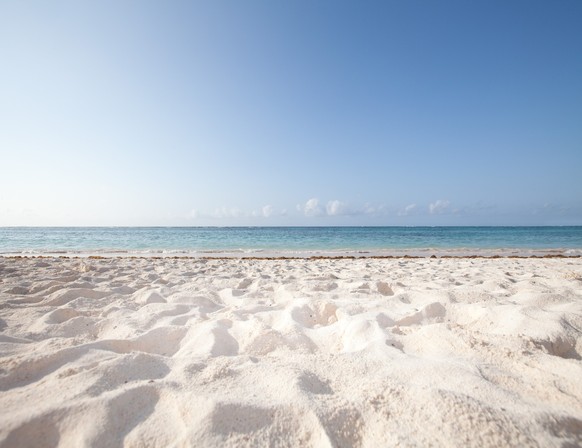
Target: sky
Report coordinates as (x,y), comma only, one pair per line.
(268,113)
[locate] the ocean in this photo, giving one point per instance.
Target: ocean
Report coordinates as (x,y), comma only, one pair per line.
(290,241)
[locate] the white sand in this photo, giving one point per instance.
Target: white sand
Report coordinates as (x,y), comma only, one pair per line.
(366,352)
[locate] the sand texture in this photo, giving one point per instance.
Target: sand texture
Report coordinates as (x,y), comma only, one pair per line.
(364,352)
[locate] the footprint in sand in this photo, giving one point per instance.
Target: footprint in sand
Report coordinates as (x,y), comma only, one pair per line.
(244,284)
(384,289)
(43,427)
(130,368)
(122,414)
(317,314)
(310,382)
(61,315)
(432,312)
(239,418)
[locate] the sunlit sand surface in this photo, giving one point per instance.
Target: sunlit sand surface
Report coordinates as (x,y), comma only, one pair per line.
(344,352)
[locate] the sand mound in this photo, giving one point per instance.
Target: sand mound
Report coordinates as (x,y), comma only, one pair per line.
(365,352)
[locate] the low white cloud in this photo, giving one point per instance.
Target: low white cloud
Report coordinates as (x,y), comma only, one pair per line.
(267,211)
(336,208)
(369,209)
(217,213)
(312,208)
(225,212)
(408,210)
(439,207)
(374,210)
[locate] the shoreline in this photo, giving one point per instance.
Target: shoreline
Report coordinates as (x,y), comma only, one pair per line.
(283,257)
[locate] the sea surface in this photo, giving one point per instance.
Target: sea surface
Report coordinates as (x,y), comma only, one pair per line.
(290,241)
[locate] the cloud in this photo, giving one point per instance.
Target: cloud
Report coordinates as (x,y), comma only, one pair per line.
(408,210)
(225,212)
(336,208)
(373,210)
(218,213)
(439,207)
(477,208)
(312,208)
(267,211)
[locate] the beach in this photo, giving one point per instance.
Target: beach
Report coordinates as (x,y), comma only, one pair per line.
(122,351)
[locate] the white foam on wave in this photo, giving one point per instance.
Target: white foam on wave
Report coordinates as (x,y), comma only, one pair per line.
(268,253)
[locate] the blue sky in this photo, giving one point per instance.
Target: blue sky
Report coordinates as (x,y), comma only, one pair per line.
(290,113)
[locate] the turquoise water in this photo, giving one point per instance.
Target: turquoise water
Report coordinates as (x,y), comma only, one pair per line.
(288,240)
